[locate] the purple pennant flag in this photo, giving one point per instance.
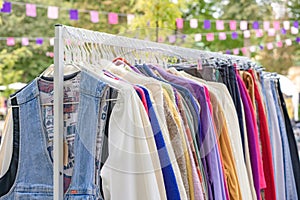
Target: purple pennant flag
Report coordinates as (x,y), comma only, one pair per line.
(228,51)
(261,47)
(179,23)
(39,41)
(283,31)
(298,39)
(234,35)
(6,7)
(255,25)
(74,14)
(296,24)
(206,24)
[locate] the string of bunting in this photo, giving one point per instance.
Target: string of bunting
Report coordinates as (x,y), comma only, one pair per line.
(54,11)
(262,46)
(244,50)
(25,41)
(211,36)
(113,18)
(11,41)
(238,24)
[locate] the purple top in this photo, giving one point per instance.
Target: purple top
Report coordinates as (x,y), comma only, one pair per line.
(208,143)
(251,136)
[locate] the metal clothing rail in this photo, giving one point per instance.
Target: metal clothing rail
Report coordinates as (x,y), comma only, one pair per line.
(107,47)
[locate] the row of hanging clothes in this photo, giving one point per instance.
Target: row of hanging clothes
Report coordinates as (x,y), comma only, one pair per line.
(160,127)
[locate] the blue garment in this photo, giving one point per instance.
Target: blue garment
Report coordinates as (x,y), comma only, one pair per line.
(290,184)
(187,95)
(34,177)
(171,186)
(268,113)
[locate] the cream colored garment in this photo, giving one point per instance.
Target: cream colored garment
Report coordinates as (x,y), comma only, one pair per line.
(6,147)
(224,98)
(132,170)
(156,93)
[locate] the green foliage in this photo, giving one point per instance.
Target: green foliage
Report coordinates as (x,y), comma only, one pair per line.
(156,18)
(8,62)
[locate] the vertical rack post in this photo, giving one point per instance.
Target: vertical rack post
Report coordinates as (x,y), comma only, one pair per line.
(58,114)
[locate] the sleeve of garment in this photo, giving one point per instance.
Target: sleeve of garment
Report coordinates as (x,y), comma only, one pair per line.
(132,170)
(6,146)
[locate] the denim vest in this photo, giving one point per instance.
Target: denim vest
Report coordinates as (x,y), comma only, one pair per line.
(30,175)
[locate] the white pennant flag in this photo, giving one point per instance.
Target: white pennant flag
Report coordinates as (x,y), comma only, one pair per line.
(294,30)
(51,41)
(288,42)
(286,25)
(198,37)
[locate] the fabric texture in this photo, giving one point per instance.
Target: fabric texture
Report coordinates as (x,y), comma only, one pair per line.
(270,190)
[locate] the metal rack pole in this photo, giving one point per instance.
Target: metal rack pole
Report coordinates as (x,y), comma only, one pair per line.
(58,114)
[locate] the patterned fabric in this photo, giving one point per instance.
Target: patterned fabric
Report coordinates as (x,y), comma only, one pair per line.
(71,99)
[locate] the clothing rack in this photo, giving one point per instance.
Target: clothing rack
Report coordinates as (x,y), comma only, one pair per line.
(82,44)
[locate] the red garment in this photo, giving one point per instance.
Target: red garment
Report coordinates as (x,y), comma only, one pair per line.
(270,191)
(142,97)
